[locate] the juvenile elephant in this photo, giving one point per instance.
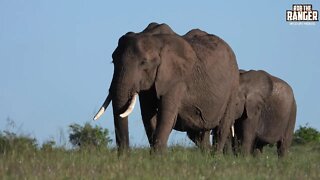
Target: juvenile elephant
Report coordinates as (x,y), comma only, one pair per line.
(266,111)
(187,83)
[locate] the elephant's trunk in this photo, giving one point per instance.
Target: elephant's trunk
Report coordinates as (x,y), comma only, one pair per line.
(123,96)
(107,102)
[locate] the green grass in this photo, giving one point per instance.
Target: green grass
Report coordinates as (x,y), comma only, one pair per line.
(302,162)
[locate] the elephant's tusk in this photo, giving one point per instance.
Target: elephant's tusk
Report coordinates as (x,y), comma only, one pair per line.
(103,107)
(101,111)
(232,130)
(131,106)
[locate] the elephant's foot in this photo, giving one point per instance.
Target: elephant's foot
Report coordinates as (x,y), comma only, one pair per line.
(257,153)
(247,147)
(281,149)
(123,152)
(158,149)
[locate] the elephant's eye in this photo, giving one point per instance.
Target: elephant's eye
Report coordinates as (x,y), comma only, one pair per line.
(144,62)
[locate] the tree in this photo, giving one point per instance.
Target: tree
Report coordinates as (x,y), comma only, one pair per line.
(306,134)
(89,137)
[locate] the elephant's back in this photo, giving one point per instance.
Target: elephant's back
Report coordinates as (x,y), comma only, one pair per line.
(281,87)
(257,83)
(282,98)
(216,61)
(209,47)
(282,95)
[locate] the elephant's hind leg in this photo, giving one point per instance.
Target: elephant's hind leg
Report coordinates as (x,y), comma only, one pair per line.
(200,138)
(284,144)
(281,148)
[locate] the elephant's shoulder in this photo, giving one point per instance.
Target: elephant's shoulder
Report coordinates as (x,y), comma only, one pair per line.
(203,43)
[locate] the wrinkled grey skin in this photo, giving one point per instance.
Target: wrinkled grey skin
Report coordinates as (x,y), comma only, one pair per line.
(186,83)
(266,111)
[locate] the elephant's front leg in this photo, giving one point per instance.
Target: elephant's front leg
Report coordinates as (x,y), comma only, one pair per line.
(166,116)
(224,128)
(248,136)
(148,105)
(250,125)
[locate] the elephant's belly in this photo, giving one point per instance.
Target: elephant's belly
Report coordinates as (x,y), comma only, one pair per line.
(185,124)
(195,118)
(270,134)
(272,125)
(268,138)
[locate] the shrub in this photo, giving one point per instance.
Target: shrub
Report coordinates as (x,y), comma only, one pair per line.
(48,145)
(89,137)
(306,134)
(10,141)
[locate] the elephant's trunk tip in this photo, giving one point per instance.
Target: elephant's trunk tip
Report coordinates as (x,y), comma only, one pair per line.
(131,106)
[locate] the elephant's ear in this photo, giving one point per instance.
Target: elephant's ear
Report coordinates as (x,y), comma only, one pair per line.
(254,104)
(240,104)
(177,59)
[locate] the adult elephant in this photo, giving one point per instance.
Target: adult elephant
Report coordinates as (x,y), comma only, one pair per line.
(266,111)
(184,82)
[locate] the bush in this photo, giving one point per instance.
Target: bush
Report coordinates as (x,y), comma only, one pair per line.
(306,134)
(10,142)
(89,137)
(48,145)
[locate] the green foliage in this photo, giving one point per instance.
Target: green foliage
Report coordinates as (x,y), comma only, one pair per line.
(88,137)
(48,145)
(10,142)
(302,162)
(306,134)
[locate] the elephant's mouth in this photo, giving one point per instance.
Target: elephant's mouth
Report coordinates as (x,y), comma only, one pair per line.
(122,115)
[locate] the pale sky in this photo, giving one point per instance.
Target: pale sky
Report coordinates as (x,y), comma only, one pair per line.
(55,56)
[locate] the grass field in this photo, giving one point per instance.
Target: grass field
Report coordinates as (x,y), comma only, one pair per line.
(302,162)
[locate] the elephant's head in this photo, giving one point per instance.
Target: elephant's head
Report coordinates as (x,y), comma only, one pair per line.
(154,58)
